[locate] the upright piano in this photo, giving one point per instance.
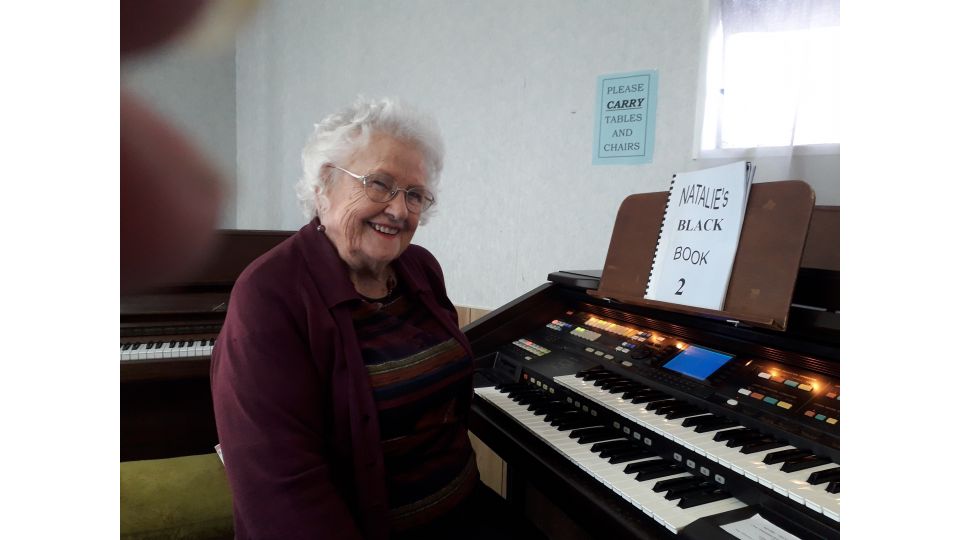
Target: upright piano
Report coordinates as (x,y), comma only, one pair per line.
(646,423)
(166,338)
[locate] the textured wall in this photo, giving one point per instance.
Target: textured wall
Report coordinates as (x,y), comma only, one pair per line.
(512,84)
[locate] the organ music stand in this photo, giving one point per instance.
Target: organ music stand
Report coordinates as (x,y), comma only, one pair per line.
(765,268)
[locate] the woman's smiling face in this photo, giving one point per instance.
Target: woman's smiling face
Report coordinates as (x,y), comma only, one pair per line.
(369,235)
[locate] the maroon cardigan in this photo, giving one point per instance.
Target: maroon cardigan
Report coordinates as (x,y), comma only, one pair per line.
(295,412)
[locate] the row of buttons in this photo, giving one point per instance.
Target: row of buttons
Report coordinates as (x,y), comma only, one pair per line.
(613,328)
(558,325)
(821,417)
(789,382)
(766,399)
(599,353)
(625,347)
(532,347)
(588,335)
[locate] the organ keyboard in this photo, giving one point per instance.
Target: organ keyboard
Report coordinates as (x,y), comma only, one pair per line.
(646,423)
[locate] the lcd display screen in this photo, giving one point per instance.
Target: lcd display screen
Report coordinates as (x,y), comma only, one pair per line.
(698,362)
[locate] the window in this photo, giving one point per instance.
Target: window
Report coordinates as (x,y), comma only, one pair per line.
(771,75)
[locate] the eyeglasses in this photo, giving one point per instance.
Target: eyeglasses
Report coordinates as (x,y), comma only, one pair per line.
(381,187)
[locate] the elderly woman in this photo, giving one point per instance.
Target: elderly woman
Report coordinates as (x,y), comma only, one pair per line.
(341,382)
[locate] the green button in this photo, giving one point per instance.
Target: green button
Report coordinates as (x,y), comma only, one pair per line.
(770,400)
(791,383)
(820,417)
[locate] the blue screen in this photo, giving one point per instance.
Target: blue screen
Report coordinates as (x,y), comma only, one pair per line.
(697,362)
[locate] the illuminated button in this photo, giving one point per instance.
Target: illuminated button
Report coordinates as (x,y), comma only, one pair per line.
(732,402)
(809,413)
(763,375)
(791,382)
(659,339)
(770,400)
(608,356)
(744,391)
(755,395)
(598,353)
(777,379)
(832,420)
(820,417)
(589,349)
(784,404)
(527,358)
(806,387)
(626,363)
(831,395)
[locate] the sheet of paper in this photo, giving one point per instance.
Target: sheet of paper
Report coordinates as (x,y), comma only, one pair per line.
(757,528)
(699,236)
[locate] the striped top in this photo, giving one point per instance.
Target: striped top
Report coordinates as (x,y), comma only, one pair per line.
(422,386)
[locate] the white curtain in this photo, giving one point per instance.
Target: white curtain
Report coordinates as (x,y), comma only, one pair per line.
(772,73)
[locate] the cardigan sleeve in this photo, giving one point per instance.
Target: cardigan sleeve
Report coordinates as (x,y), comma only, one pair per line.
(267,400)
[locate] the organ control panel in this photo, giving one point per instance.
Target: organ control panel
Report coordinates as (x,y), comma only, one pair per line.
(690,425)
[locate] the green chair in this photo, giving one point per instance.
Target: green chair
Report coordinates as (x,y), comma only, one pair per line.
(182,497)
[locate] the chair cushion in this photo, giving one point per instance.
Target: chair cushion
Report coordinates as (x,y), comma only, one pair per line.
(183,497)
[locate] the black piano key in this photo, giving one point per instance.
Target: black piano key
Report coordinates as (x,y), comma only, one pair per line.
(698,420)
(826,475)
(605,376)
(684,413)
(629,455)
(126,346)
(580,432)
(784,455)
(745,439)
(592,374)
(555,416)
(619,388)
(833,487)
(799,464)
(598,436)
(646,465)
(577,423)
(702,497)
(656,405)
(731,433)
(636,391)
(622,449)
(647,397)
(676,493)
(589,372)
(556,419)
(709,426)
(664,485)
(136,346)
(762,445)
(653,474)
(613,382)
(612,445)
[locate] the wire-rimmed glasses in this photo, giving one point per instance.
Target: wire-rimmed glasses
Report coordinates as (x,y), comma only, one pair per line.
(380,187)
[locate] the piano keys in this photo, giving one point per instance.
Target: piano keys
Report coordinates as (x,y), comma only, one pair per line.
(166,339)
(685,423)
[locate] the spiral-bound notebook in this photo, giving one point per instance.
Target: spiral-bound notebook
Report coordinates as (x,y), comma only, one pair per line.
(699,236)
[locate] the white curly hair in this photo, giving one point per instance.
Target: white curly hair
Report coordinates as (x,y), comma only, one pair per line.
(347,130)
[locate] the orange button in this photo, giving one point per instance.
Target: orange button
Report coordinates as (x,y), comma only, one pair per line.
(808,413)
(756,395)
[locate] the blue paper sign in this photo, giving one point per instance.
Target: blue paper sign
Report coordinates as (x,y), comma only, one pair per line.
(626,112)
